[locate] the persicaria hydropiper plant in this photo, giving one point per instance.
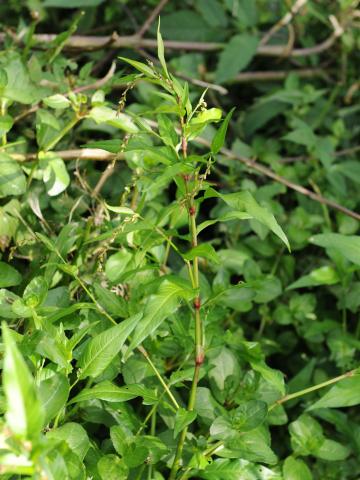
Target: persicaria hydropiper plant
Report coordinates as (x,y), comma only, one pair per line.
(132,327)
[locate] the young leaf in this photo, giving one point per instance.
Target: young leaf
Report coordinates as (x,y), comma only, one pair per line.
(24,413)
(205,250)
(102,349)
(161,56)
(219,137)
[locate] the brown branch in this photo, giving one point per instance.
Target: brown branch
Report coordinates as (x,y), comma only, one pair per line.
(155,13)
(90,43)
(266,76)
(102,155)
(285,20)
(338,153)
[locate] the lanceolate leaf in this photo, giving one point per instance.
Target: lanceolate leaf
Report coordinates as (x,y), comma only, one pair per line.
(110,392)
(103,348)
(219,138)
(346,245)
(158,308)
(24,414)
(244,201)
(346,393)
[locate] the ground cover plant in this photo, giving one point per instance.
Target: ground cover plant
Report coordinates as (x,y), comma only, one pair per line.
(179,249)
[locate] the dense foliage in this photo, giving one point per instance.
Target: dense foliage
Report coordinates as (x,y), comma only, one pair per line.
(179,259)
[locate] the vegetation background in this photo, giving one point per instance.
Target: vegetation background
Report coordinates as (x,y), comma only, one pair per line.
(136,240)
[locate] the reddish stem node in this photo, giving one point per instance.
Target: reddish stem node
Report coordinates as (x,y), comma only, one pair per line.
(197,303)
(192,210)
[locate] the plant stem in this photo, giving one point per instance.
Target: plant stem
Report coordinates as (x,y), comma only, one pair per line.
(3,113)
(199,341)
(305,391)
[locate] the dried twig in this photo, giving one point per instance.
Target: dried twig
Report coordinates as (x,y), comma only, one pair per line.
(101,155)
(285,20)
(153,15)
(90,43)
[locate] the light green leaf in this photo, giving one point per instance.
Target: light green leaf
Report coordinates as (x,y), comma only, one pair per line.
(35,292)
(9,277)
(12,178)
(110,392)
(53,394)
(183,418)
(320,276)
(249,415)
(161,56)
(109,116)
(24,413)
(236,56)
(111,467)
(244,201)
(57,101)
(142,67)
(113,146)
(102,349)
(74,435)
(296,469)
(205,250)
(219,137)
(346,245)
(6,123)
(56,177)
(332,451)
(158,308)
(121,210)
(345,393)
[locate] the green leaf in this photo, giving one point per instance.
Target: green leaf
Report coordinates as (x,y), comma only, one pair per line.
(236,56)
(296,469)
(320,276)
(110,392)
(53,394)
(142,67)
(9,277)
(183,418)
(306,435)
(12,178)
(244,201)
(249,415)
(109,116)
(158,308)
(102,349)
(6,123)
(167,130)
(205,250)
(161,56)
(219,137)
(56,177)
(345,393)
(113,146)
(24,413)
(346,245)
(225,469)
(57,101)
(74,435)
(35,292)
(332,451)
(111,467)
(121,210)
